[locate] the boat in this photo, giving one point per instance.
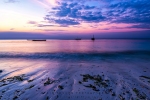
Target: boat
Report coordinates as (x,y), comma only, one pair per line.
(77,39)
(93,38)
(39,40)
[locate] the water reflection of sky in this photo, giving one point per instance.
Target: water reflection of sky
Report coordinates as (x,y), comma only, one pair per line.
(52,46)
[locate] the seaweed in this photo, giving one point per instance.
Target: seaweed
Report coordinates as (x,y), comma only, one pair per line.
(97,79)
(135,90)
(142,96)
(145,77)
(3,91)
(3,85)
(80,82)
(113,94)
(47,98)
(48,82)
(1,97)
(106,80)
(121,97)
(1,71)
(88,85)
(30,80)
(30,87)
(61,87)
(19,78)
(15,97)
(138,94)
(92,86)
(95,89)
(104,84)
(85,79)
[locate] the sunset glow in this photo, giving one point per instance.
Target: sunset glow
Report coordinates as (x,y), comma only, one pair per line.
(74,16)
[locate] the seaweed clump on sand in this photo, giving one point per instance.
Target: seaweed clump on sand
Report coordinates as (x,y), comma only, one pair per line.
(30,87)
(121,97)
(146,78)
(138,94)
(97,80)
(48,82)
(13,79)
(18,78)
(15,97)
(61,87)
(1,71)
(30,80)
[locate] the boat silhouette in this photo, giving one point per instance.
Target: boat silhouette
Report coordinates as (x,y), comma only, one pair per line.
(93,38)
(39,40)
(78,38)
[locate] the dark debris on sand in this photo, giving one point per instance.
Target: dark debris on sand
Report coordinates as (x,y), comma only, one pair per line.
(50,81)
(138,94)
(1,71)
(61,87)
(100,83)
(9,80)
(97,79)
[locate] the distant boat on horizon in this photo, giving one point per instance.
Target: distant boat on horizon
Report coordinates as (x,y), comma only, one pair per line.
(78,39)
(93,38)
(39,40)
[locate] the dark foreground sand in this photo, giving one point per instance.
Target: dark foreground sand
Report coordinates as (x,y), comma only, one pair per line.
(109,79)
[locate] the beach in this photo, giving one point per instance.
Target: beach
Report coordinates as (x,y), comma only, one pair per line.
(86,70)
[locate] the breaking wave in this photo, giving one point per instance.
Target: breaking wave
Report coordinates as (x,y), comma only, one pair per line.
(63,55)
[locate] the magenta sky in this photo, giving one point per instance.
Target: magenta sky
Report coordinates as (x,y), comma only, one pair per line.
(69,18)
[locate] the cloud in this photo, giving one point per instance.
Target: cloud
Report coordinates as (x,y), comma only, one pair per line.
(43,25)
(39,25)
(22,35)
(12,29)
(69,12)
(32,22)
(66,21)
(142,26)
(62,23)
(51,30)
(73,14)
(136,11)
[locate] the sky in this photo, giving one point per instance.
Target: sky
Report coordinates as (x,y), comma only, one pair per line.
(67,19)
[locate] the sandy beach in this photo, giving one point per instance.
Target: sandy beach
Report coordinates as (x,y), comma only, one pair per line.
(124,78)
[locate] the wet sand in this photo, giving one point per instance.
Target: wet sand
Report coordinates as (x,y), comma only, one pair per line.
(106,79)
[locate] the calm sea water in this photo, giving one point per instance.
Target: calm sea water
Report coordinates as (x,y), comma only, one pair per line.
(72,48)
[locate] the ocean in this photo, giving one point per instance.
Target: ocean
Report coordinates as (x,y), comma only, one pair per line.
(52,49)
(69,69)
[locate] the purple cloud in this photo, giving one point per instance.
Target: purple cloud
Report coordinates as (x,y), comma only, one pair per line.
(77,11)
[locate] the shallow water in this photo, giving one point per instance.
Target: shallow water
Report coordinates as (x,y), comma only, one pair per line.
(73,46)
(68,49)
